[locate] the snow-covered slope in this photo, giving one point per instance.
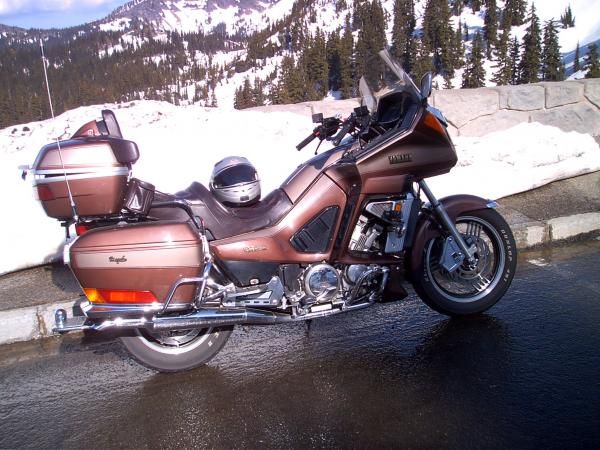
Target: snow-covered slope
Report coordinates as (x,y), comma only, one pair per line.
(193,15)
(181,144)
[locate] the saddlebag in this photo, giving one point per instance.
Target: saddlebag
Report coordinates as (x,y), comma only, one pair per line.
(97,170)
(137,264)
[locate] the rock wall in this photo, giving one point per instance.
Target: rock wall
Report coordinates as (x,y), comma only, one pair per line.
(569,105)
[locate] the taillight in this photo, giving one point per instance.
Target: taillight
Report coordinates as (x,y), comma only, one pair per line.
(81,228)
(43,193)
(118,296)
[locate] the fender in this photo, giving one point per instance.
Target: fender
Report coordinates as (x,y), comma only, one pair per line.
(428,227)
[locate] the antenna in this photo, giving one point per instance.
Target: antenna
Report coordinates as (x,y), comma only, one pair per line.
(44,63)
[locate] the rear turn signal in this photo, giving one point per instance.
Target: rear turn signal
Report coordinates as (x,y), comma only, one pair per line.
(118,296)
(81,228)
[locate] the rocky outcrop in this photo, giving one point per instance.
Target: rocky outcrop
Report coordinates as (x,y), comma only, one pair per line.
(568,105)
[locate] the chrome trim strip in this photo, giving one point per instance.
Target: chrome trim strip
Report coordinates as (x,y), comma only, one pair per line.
(78,174)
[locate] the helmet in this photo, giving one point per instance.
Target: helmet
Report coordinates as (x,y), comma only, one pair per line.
(234,182)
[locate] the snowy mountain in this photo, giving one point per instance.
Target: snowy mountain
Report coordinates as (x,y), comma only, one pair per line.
(205,51)
(192,15)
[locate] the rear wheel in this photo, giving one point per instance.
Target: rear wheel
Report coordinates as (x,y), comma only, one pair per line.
(177,350)
(473,287)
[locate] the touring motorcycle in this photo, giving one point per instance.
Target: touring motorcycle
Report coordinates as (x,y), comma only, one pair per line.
(347,229)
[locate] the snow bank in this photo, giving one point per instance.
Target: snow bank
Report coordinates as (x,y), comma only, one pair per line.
(181,144)
(523,157)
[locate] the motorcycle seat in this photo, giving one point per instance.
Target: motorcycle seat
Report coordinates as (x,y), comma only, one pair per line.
(221,221)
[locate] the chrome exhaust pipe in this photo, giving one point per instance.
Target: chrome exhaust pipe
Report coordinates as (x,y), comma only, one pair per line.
(205,317)
(202,318)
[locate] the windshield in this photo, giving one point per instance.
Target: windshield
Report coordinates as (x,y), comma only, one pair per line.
(390,77)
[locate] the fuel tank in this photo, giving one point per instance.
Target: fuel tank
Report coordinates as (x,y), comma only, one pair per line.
(136,264)
(304,235)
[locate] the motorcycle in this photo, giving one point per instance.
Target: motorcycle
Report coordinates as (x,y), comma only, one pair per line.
(347,229)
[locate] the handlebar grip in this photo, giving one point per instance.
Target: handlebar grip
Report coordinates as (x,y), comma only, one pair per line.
(343,132)
(306,141)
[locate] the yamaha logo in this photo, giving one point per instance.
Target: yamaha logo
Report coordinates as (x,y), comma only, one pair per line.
(112,259)
(254,249)
(399,159)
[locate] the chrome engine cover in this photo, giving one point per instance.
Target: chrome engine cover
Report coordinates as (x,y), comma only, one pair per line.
(321,281)
(353,273)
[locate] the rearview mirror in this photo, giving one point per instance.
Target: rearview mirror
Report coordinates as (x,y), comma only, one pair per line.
(317,118)
(426,85)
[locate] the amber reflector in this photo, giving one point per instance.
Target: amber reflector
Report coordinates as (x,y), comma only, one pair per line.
(118,296)
(434,124)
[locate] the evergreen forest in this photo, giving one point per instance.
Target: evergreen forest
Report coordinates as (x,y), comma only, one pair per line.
(93,67)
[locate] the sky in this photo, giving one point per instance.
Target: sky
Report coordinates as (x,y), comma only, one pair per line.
(54,13)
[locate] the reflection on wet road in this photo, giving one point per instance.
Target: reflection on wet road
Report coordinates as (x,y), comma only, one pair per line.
(526,374)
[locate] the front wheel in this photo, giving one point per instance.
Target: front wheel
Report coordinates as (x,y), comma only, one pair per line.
(173,351)
(473,287)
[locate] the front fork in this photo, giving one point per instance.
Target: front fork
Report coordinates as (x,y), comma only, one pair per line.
(456,250)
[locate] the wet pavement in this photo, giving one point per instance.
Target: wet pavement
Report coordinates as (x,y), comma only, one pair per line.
(524,375)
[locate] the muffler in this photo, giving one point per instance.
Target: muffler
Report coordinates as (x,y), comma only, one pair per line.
(206,317)
(202,318)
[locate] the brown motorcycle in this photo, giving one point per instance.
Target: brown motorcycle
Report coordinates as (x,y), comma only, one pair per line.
(175,273)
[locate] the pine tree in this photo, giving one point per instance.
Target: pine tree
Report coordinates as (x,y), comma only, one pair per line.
(402,30)
(213,99)
(532,49)
(258,96)
(290,88)
(516,9)
(502,75)
(458,49)
(474,74)
(552,66)
(515,61)
(576,63)
(490,27)
(333,60)
(423,61)
(438,35)
(456,5)
(566,19)
(371,39)
(346,50)
(506,20)
(592,62)
(314,62)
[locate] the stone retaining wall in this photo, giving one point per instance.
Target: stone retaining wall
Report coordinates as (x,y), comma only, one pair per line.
(569,105)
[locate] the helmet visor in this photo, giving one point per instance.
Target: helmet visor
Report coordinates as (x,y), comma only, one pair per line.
(235,175)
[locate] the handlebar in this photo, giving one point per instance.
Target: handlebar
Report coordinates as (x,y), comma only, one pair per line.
(328,128)
(348,125)
(307,141)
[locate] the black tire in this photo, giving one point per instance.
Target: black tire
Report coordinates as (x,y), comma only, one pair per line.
(178,350)
(469,290)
